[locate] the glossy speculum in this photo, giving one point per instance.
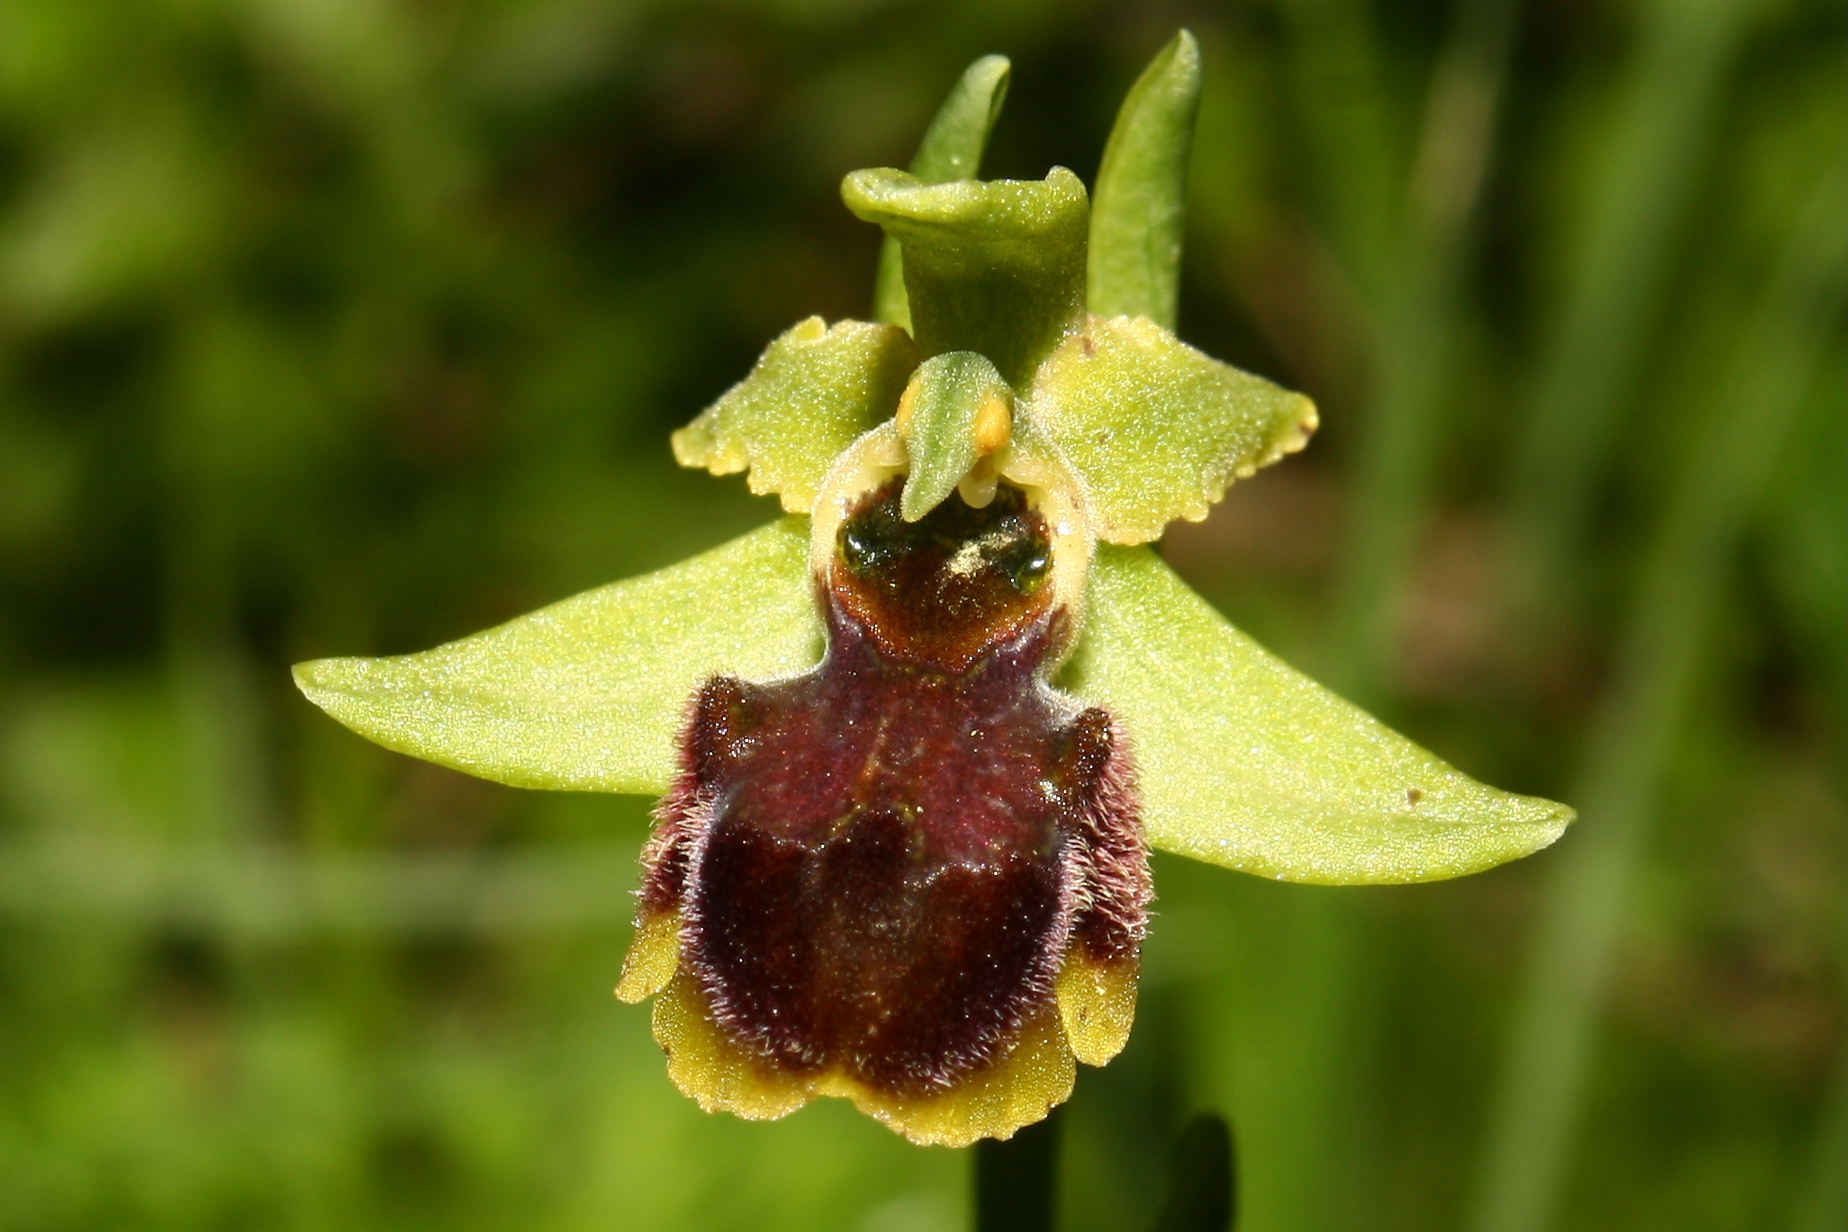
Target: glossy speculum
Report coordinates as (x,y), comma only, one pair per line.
(949,586)
(882,864)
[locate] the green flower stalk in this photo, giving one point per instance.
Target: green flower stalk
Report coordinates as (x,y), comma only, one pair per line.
(915,738)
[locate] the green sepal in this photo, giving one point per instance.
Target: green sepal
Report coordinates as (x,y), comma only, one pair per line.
(590,693)
(1155,430)
(956,409)
(1245,763)
(1140,200)
(951,150)
(992,266)
(814,390)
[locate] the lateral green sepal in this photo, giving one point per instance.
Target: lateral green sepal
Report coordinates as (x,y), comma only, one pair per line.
(1154,429)
(590,693)
(814,390)
(1243,762)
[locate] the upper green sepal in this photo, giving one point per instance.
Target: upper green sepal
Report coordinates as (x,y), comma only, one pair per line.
(991,266)
(1137,209)
(814,390)
(1243,762)
(1155,430)
(590,693)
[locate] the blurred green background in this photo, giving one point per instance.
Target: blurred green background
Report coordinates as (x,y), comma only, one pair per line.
(333,327)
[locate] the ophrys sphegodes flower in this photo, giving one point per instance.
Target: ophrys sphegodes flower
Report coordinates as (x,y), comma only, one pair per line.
(915,736)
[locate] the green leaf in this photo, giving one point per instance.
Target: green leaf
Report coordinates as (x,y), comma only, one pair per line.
(1154,429)
(956,409)
(1142,188)
(589,694)
(813,392)
(1245,763)
(951,150)
(992,266)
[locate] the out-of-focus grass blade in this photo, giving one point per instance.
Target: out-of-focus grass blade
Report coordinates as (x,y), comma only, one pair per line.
(1801,537)
(1729,463)
(1823,1201)
(1617,282)
(1140,199)
(951,150)
(1413,343)
(271,892)
(1315,1090)
(1203,1179)
(1337,70)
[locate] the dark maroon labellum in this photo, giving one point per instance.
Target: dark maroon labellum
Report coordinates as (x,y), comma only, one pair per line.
(882,865)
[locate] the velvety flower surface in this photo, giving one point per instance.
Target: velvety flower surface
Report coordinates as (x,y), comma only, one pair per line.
(916,737)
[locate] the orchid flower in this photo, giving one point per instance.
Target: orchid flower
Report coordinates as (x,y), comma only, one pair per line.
(915,738)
